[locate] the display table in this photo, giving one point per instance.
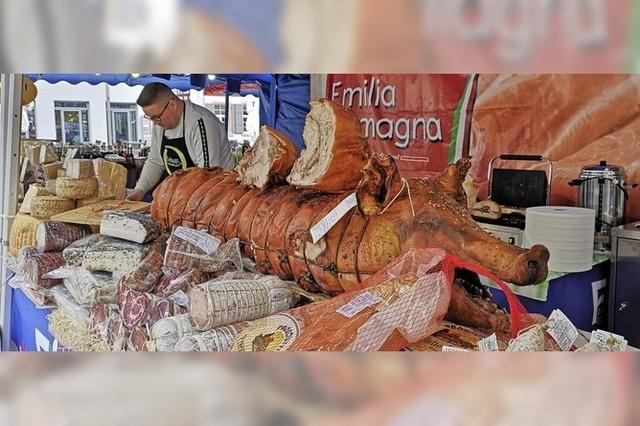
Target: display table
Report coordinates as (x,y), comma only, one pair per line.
(581,296)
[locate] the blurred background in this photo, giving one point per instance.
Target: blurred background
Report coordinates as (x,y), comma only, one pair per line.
(329,36)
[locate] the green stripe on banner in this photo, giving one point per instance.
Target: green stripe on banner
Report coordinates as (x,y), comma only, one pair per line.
(455,127)
(633,48)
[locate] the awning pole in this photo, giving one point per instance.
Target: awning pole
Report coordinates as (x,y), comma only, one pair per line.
(10,117)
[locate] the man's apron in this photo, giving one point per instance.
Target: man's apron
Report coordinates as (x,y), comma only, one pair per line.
(175,155)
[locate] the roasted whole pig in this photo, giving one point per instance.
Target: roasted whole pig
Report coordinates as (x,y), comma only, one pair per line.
(392,216)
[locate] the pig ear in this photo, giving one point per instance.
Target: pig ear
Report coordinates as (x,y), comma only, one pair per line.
(376,188)
(450,181)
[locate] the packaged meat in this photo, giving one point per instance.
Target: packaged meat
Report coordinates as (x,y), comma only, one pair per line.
(219,339)
(138,338)
(67,304)
(112,178)
(192,249)
(76,188)
(140,308)
(38,264)
(32,192)
(269,160)
(225,301)
(146,275)
(181,281)
(136,227)
(79,168)
(57,236)
(117,333)
(178,325)
(99,317)
(87,288)
(45,206)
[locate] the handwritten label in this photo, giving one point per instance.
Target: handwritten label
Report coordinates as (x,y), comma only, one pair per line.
(489,344)
(200,239)
(609,341)
(452,349)
(180,298)
(357,304)
(329,221)
(562,330)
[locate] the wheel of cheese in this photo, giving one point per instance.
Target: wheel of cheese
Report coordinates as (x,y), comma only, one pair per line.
(48,205)
(76,188)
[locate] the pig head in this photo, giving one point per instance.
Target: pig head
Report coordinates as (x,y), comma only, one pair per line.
(425,212)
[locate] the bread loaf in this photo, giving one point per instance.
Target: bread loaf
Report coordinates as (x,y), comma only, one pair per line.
(76,188)
(45,206)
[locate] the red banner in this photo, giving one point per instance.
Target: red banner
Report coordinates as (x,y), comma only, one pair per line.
(418,119)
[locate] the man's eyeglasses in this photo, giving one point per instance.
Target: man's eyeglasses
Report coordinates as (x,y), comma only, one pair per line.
(157,117)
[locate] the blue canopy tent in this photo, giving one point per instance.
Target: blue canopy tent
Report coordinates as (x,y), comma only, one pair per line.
(284,98)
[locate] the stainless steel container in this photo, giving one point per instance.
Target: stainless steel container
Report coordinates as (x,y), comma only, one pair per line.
(603,189)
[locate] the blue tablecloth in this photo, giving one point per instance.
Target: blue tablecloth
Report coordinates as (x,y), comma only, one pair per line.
(581,296)
(29,327)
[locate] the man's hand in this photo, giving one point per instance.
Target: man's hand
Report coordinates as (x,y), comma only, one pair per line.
(136,195)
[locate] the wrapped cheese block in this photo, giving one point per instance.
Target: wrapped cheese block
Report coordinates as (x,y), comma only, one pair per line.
(76,188)
(39,151)
(219,339)
(192,249)
(146,275)
(112,178)
(79,169)
(50,186)
(57,236)
(23,233)
(225,301)
(32,192)
(269,160)
(83,202)
(38,264)
(45,206)
(50,171)
(335,152)
(137,227)
(101,253)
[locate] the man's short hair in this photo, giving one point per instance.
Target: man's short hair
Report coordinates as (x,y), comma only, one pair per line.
(153,92)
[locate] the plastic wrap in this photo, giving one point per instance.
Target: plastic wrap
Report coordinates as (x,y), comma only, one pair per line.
(57,236)
(101,253)
(219,339)
(117,333)
(226,300)
(138,338)
(140,308)
(67,304)
(192,249)
(178,325)
(39,151)
(36,265)
(99,317)
(147,274)
(87,288)
(163,344)
(181,282)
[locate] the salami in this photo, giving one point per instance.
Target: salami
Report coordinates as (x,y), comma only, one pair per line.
(38,264)
(57,236)
(147,274)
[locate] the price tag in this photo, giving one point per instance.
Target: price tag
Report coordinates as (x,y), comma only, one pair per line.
(489,344)
(328,222)
(452,349)
(609,341)
(562,330)
(208,243)
(357,304)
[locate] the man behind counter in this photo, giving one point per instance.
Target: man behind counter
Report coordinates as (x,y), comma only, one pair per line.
(184,135)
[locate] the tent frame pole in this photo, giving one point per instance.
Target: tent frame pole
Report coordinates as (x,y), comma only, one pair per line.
(10,120)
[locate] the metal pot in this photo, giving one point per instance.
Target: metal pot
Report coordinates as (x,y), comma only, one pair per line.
(603,188)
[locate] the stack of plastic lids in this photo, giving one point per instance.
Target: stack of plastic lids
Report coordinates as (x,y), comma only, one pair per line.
(567,232)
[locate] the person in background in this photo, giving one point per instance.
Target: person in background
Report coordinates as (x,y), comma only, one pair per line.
(184,135)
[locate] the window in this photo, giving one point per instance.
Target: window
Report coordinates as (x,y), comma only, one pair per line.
(124,118)
(72,121)
(237,123)
(216,109)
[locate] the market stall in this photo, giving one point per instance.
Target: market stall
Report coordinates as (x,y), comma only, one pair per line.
(330,248)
